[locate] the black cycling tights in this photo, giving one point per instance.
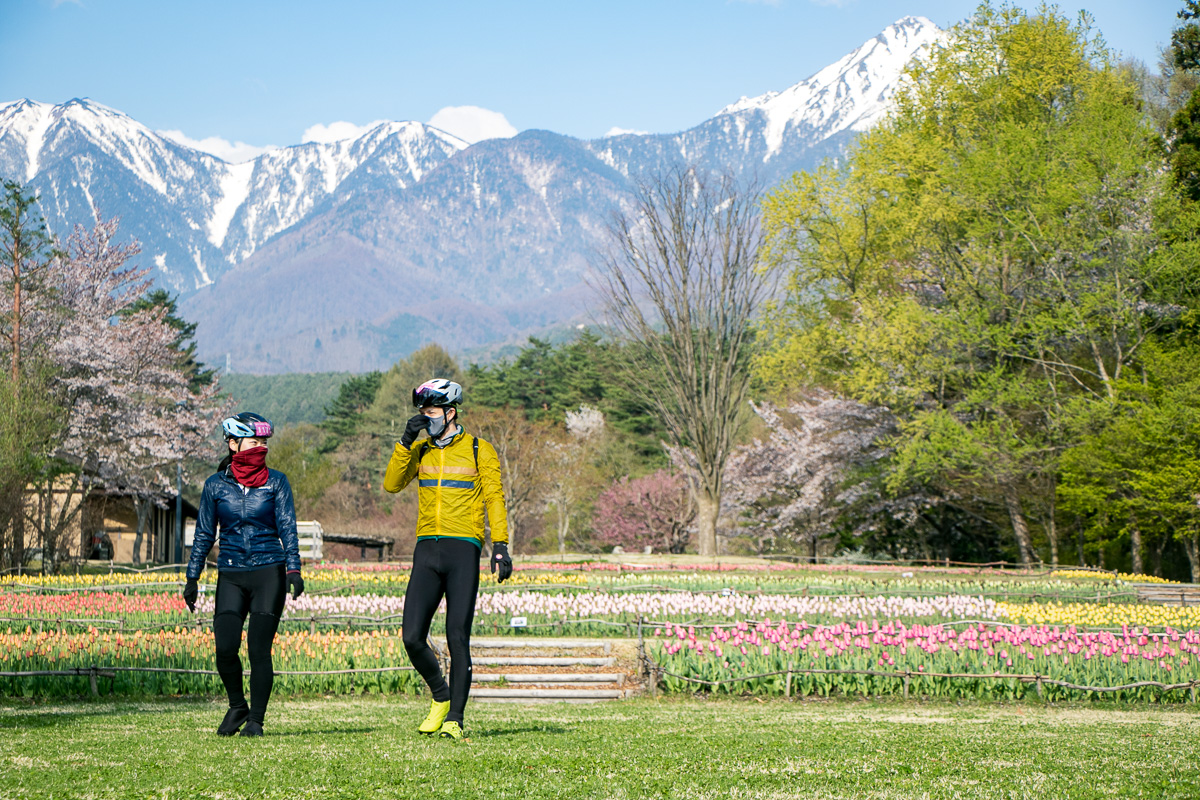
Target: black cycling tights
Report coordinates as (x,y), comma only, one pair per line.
(450,568)
(260,593)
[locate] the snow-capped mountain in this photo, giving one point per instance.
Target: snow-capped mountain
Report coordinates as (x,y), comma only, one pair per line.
(775,134)
(367,247)
(195,215)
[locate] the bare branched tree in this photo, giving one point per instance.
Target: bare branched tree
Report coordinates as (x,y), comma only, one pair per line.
(681,285)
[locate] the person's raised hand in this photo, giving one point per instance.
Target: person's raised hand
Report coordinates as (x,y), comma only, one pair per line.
(416,424)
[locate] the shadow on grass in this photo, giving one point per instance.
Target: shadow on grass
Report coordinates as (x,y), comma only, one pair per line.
(493,733)
(322,732)
(33,717)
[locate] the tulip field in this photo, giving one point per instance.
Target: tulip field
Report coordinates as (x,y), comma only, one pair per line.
(765,629)
(381,656)
(894,657)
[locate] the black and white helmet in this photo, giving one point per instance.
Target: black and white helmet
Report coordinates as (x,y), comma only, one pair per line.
(437,392)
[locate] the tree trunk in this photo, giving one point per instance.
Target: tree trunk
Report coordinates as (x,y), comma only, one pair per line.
(1192,547)
(1135,536)
(1159,546)
(142,505)
(1052,535)
(707,509)
(564,525)
(16,320)
(812,549)
(1020,529)
(18,532)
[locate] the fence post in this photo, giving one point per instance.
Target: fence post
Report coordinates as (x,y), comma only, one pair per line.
(92,681)
(1192,691)
(641,648)
(906,686)
(787,686)
(1040,691)
(654,681)
(312,625)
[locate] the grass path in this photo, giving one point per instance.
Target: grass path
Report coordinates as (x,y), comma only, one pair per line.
(679,748)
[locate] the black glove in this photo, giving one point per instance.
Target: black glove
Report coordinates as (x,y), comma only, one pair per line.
(416,424)
(501,558)
(295,584)
(190,590)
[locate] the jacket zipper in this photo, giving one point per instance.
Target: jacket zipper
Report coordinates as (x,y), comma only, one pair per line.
(437,517)
(245,532)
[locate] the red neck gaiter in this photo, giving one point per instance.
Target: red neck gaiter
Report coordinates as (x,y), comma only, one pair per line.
(250,466)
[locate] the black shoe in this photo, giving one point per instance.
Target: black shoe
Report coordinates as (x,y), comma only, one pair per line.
(252,729)
(234,719)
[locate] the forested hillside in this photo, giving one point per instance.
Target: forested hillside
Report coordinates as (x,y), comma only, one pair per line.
(287,399)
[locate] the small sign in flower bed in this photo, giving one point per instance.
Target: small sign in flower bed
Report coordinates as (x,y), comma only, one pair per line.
(979,660)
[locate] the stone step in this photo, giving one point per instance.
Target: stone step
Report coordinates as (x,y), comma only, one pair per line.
(519,695)
(504,642)
(552,677)
(532,701)
(541,661)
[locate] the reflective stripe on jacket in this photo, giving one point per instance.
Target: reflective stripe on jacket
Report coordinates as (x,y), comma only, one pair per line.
(258,526)
(451,493)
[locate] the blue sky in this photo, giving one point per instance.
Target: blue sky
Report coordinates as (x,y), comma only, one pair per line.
(265,72)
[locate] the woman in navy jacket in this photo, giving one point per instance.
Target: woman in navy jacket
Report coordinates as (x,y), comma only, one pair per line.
(259,560)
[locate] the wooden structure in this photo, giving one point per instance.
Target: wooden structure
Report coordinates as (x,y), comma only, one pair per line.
(382,546)
(103,525)
(1169,594)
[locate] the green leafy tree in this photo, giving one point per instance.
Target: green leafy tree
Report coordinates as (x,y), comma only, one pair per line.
(355,396)
(297,452)
(550,382)
(1185,40)
(978,259)
(1136,471)
(392,405)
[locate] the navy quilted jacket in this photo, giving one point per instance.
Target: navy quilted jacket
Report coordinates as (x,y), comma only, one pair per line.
(258,526)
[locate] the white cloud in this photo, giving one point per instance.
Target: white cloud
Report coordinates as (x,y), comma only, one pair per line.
(472,123)
(615,131)
(337,131)
(232,152)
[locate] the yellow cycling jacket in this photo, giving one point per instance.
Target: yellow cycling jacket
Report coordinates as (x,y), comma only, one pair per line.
(453,487)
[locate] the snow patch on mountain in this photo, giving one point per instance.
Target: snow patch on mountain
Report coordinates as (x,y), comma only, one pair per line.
(235,188)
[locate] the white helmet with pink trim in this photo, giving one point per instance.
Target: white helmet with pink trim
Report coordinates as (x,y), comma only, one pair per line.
(437,392)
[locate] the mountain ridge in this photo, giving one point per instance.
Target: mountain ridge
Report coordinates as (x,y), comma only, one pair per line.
(344,243)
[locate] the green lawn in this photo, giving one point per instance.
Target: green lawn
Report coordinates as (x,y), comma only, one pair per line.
(366,747)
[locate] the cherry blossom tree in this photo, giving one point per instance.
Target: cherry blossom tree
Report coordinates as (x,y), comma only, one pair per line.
(120,381)
(792,487)
(655,510)
(569,478)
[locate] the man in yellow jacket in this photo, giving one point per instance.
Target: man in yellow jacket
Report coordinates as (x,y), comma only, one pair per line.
(458,477)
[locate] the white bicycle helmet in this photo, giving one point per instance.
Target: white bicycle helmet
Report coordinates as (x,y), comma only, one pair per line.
(437,392)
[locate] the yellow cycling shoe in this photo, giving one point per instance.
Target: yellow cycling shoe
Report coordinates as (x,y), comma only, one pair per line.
(437,714)
(451,730)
